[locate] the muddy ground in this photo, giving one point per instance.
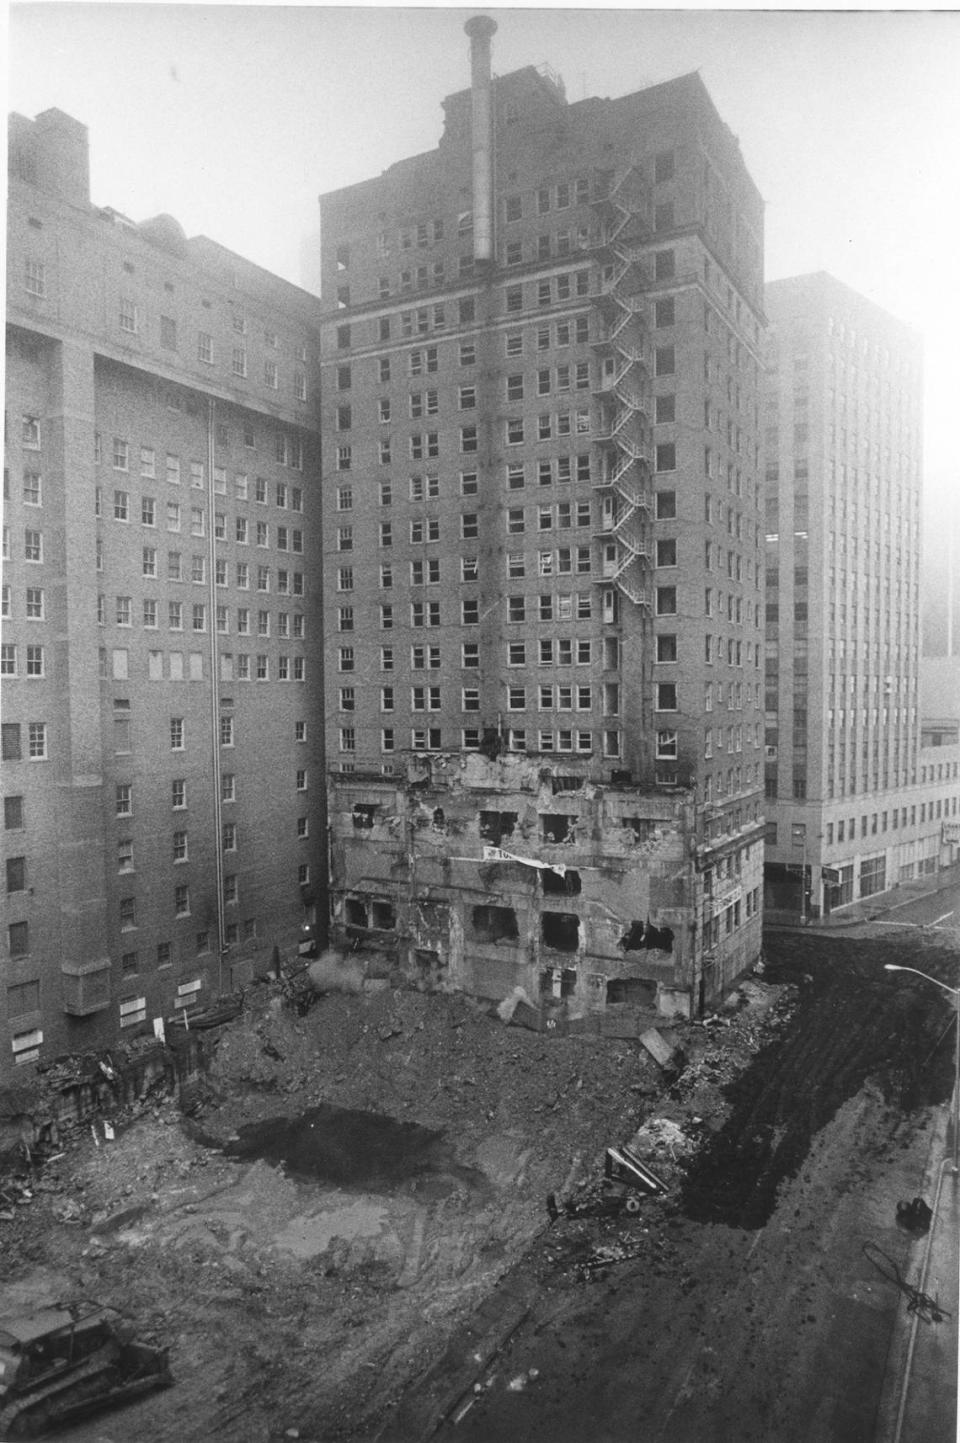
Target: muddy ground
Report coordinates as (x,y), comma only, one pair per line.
(350,1305)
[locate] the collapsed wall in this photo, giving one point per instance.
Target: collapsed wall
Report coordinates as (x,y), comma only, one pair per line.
(512,875)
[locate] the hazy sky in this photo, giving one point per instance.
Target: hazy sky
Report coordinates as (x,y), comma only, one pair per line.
(234,119)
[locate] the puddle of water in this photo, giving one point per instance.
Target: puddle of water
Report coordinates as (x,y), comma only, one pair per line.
(354,1150)
(309,1234)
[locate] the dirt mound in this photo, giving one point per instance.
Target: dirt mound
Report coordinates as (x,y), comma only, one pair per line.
(854,1023)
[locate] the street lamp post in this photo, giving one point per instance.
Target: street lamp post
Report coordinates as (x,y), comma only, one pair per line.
(955,994)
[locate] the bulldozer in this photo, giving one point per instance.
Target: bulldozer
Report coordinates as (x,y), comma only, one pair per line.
(60,1363)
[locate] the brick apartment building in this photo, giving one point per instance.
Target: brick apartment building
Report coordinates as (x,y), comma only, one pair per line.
(853,804)
(161,665)
(542,548)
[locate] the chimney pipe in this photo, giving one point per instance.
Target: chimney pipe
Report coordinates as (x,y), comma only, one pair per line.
(480,28)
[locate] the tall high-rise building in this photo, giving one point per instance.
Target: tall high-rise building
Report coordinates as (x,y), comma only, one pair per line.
(159,599)
(542,548)
(843,486)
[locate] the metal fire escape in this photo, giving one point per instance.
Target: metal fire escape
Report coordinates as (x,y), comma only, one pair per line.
(623,393)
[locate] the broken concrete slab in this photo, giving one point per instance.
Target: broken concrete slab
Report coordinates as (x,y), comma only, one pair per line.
(662,1051)
(526,1016)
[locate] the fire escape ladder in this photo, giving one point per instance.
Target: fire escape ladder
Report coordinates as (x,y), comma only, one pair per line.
(623,426)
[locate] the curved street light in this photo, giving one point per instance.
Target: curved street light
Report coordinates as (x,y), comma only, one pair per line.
(955,994)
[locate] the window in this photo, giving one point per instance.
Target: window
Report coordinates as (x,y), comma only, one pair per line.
(666,696)
(181,900)
(35,661)
(16,874)
(35,281)
(34,610)
(10,745)
(665,363)
(205,347)
(666,746)
(18,939)
(226,730)
(664,265)
(176,734)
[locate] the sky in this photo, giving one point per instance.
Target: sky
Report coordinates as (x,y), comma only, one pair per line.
(235,118)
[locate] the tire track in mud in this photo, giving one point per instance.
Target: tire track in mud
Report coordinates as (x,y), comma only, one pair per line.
(853,1024)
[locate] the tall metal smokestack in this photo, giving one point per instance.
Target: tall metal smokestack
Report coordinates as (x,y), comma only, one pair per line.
(480,28)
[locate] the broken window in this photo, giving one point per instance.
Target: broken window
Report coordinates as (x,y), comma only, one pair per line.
(496,826)
(558,982)
(648,937)
(364,814)
(556,827)
(635,991)
(355,911)
(641,827)
(560,930)
(495,924)
(567,883)
(559,783)
(383,916)
(632,939)
(430,965)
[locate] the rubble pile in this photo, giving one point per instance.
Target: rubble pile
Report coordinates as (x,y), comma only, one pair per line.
(447,1062)
(328,1296)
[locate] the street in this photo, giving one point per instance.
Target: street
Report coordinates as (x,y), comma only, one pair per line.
(939,909)
(753,1311)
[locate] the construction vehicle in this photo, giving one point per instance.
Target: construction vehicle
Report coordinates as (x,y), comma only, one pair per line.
(60,1363)
(626,1179)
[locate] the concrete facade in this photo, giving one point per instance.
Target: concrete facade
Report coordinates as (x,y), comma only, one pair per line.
(162,673)
(847,784)
(541,356)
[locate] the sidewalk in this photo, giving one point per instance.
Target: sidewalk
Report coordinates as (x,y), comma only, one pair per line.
(873,909)
(919,1399)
